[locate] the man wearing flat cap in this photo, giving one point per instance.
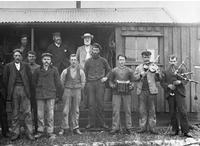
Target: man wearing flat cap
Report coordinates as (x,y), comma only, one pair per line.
(47,83)
(60,52)
(17,78)
(147,90)
(96,71)
(24,46)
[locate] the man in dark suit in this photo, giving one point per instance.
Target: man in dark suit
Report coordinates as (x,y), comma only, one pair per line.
(17,80)
(60,52)
(174,87)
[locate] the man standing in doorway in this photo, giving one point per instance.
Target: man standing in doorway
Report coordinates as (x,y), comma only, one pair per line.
(96,72)
(24,46)
(147,91)
(73,80)
(121,81)
(175,93)
(47,83)
(60,52)
(83,53)
(18,81)
(33,66)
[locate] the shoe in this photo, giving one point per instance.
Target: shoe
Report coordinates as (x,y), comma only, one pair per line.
(127,131)
(174,133)
(114,131)
(89,126)
(187,134)
(105,126)
(30,137)
(14,137)
(38,135)
(153,132)
(77,131)
(141,131)
(51,136)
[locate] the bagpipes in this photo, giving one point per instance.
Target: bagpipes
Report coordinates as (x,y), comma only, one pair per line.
(185,77)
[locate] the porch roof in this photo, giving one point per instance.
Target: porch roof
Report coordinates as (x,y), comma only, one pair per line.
(86,15)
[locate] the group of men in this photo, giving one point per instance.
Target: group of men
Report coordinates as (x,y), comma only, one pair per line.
(84,75)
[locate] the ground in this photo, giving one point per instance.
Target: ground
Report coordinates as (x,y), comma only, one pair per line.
(101,138)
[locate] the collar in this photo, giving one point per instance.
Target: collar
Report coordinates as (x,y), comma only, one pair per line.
(57,45)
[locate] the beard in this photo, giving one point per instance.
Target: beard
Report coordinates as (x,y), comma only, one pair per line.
(95,55)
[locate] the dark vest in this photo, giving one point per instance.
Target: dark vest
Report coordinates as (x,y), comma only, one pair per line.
(73,82)
(18,80)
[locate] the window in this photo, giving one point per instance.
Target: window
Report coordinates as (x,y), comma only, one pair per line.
(134,46)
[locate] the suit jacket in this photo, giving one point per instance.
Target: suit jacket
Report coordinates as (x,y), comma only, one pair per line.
(9,77)
(60,57)
(168,77)
(152,78)
(81,55)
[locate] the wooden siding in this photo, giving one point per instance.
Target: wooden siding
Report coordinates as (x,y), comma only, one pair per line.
(182,41)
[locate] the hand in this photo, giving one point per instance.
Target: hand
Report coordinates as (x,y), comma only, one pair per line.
(113,86)
(177,82)
(171,86)
(143,73)
(104,79)
(131,86)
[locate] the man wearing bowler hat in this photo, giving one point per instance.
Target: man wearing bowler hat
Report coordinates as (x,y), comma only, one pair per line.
(46,80)
(147,91)
(60,52)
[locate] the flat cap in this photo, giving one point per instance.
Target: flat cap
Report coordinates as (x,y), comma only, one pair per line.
(146,53)
(46,54)
(17,50)
(87,35)
(97,45)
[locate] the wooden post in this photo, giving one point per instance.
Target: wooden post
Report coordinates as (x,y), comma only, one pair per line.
(119,43)
(78,4)
(32,39)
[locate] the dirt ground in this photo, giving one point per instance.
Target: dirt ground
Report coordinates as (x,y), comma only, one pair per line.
(101,138)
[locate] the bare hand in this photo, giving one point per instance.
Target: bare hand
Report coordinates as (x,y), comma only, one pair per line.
(171,86)
(104,79)
(131,86)
(177,82)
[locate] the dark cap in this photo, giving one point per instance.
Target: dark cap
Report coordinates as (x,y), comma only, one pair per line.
(24,36)
(32,52)
(87,35)
(97,45)
(17,50)
(56,34)
(47,54)
(146,53)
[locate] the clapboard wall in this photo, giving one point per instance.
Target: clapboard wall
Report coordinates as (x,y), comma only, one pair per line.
(181,40)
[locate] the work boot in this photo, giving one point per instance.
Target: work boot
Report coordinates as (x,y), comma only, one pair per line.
(15,137)
(77,131)
(114,131)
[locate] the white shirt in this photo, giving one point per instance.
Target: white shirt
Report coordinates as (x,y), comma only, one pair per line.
(17,66)
(88,55)
(58,45)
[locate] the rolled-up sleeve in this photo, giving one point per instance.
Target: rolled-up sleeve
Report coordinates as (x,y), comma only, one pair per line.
(62,77)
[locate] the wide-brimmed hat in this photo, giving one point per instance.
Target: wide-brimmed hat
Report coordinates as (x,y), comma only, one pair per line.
(47,54)
(87,35)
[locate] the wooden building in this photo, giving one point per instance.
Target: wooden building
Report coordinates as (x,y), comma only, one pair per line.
(119,31)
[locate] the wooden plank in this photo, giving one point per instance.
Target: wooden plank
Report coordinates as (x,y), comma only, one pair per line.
(195,63)
(177,43)
(119,42)
(160,97)
(137,33)
(185,56)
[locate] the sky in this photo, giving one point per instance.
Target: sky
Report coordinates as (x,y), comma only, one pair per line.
(181,11)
